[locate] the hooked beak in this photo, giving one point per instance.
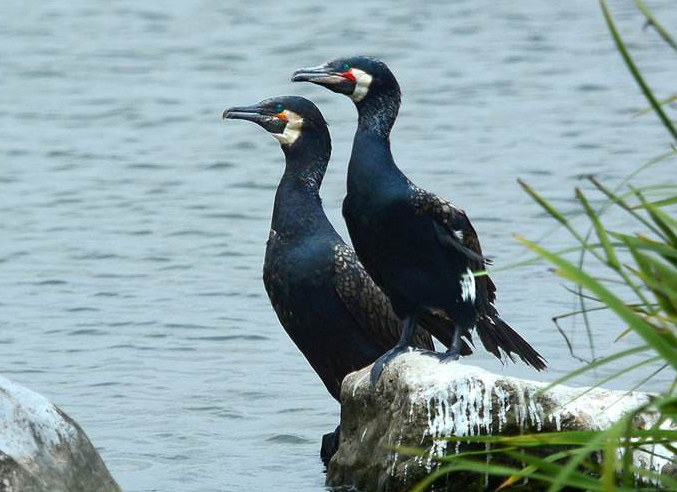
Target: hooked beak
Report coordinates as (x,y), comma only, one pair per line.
(321,74)
(251,113)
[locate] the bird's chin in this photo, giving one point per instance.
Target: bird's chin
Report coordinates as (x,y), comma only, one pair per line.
(335,82)
(345,87)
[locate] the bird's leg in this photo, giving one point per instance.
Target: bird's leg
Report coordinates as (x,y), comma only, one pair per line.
(404,345)
(454,351)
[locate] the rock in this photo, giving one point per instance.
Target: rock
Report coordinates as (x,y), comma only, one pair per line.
(43,450)
(419,400)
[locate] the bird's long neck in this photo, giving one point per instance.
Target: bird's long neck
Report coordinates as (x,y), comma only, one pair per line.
(377,113)
(371,162)
(298,207)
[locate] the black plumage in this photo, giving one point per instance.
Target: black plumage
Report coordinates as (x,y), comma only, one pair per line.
(325,300)
(421,250)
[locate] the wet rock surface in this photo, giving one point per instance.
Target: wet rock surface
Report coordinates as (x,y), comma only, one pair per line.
(419,401)
(44,450)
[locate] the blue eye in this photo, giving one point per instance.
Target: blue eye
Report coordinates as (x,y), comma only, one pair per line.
(279,108)
(346,67)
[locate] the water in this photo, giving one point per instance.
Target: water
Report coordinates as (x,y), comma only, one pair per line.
(134,221)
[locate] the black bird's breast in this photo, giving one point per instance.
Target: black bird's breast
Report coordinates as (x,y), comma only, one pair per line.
(293,269)
(400,250)
(299,276)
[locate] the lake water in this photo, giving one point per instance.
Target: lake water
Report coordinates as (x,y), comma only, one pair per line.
(133,221)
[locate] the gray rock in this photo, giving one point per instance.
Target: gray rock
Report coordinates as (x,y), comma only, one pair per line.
(44,450)
(418,400)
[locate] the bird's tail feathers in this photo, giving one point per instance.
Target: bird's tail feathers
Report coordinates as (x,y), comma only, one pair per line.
(497,335)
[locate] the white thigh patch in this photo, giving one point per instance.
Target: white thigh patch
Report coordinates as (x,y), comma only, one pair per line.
(468,286)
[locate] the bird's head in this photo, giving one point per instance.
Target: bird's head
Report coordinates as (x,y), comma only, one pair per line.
(357,77)
(290,119)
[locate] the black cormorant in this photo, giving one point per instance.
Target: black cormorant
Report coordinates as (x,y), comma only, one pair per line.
(325,300)
(421,250)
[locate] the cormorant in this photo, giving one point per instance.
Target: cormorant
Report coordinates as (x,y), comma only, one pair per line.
(420,249)
(325,300)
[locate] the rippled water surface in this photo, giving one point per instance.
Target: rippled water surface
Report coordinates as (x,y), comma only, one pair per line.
(133,221)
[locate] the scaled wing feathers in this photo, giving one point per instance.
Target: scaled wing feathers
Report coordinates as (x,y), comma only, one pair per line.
(367,304)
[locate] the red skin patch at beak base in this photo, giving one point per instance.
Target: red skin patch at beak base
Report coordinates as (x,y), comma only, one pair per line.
(282,116)
(348,75)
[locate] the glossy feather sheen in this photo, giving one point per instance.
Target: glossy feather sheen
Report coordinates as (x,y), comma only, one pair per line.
(420,249)
(325,300)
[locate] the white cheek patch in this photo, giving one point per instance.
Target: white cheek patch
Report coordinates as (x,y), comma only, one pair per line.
(468,286)
(292,129)
(362,83)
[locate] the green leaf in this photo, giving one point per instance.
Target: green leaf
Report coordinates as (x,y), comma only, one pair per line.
(662,102)
(660,278)
(668,482)
(573,478)
(654,22)
(543,203)
(593,365)
(613,197)
(659,203)
(635,73)
(612,260)
(615,375)
(660,218)
(644,243)
(645,330)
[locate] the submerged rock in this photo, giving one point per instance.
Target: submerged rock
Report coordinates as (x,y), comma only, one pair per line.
(329,446)
(44,450)
(418,401)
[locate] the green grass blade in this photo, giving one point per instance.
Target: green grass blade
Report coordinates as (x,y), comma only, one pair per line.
(654,22)
(661,219)
(639,325)
(660,203)
(643,243)
(561,478)
(543,203)
(660,279)
(662,102)
(599,362)
(574,478)
(615,375)
(610,460)
(614,198)
(635,73)
(567,438)
(430,479)
(611,257)
(667,482)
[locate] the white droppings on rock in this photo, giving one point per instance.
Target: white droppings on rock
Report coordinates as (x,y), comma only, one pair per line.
(358,383)
(457,400)
(556,418)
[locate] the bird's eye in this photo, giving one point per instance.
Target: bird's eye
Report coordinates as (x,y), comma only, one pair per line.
(346,67)
(279,108)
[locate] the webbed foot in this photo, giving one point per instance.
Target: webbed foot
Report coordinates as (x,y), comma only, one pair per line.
(451,355)
(386,358)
